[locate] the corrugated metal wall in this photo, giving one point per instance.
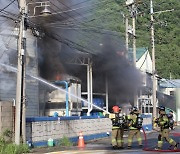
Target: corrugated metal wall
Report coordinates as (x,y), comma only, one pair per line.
(8,56)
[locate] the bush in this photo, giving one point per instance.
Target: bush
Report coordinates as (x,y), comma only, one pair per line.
(14,149)
(7,147)
(8,135)
(65,142)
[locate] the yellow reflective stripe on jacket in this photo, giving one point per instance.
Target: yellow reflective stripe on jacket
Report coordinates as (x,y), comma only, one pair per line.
(132,128)
(129,140)
(171,141)
(132,119)
(115,127)
(163,120)
(113,140)
(112,116)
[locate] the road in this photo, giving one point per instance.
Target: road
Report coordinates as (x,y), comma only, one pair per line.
(103,146)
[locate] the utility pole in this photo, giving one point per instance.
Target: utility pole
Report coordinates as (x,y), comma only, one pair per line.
(131,4)
(134,34)
(127,37)
(133,14)
(20,89)
(153,61)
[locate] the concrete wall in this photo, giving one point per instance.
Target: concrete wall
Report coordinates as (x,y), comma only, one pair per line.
(6,116)
(32,85)
(39,130)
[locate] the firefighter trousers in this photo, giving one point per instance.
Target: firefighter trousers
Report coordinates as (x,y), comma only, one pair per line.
(164,134)
(117,137)
(132,133)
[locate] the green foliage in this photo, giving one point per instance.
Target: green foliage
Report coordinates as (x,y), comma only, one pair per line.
(65,142)
(8,135)
(15,149)
(109,15)
(7,147)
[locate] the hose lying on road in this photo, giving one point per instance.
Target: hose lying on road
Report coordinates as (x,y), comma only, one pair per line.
(154,150)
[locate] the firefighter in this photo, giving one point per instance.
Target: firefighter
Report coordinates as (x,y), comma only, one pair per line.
(164,124)
(171,119)
(135,124)
(122,126)
(117,128)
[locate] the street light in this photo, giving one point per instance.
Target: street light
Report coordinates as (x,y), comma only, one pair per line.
(20,120)
(44,12)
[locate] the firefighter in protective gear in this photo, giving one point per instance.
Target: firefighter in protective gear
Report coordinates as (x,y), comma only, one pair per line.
(163,123)
(117,128)
(135,124)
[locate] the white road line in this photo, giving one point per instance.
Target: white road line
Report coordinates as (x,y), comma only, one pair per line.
(80,152)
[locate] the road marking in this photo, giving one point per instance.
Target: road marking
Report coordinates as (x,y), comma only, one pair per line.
(80,152)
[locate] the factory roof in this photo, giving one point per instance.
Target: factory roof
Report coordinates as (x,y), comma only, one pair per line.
(170,83)
(139,53)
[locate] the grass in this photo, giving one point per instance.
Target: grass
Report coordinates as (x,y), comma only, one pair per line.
(8,147)
(65,142)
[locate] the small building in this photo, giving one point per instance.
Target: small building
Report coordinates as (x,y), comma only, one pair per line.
(169,87)
(144,65)
(169,95)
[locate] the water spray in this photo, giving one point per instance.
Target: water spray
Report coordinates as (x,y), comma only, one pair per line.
(54,86)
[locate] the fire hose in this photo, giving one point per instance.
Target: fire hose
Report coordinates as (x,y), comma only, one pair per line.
(154,150)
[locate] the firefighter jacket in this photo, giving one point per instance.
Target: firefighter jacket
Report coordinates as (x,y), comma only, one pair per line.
(135,121)
(163,121)
(118,120)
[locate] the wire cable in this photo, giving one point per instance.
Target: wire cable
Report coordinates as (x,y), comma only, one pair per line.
(7,6)
(76,29)
(144,59)
(9,40)
(67,11)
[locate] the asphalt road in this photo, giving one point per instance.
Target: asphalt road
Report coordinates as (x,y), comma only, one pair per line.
(103,146)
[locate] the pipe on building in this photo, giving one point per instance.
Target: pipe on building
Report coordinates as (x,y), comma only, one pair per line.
(88,87)
(91,86)
(90,108)
(67,97)
(107,103)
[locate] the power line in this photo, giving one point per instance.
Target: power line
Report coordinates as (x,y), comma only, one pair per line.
(86,18)
(79,3)
(11,35)
(7,5)
(107,2)
(10,13)
(79,23)
(89,29)
(144,60)
(68,42)
(67,11)
(76,20)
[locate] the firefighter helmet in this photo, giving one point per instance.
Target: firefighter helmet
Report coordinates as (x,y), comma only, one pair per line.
(116,108)
(134,109)
(161,108)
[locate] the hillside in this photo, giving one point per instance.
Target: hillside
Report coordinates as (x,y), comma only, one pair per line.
(109,16)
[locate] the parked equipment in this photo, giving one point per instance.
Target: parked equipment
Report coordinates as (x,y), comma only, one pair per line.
(65,102)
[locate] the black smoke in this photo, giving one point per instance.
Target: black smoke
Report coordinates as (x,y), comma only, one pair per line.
(106,50)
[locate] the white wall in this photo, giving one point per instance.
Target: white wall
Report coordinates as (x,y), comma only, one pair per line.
(145,63)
